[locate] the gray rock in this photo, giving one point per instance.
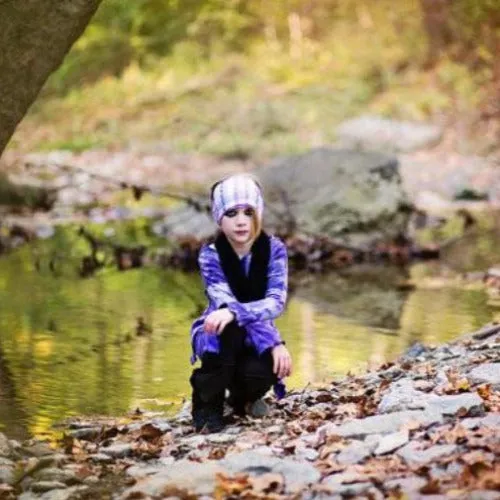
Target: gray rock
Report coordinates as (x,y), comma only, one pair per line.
(415,350)
(262,450)
(482,495)
(491,420)
(402,396)
(450,405)
(347,483)
(38,449)
(487,373)
(413,455)
(373,441)
(28,495)
(85,434)
(274,429)
(43,486)
(303,452)
(354,453)
(91,480)
(334,192)
(162,424)
(381,134)
(101,458)
(380,424)
(190,476)
(5,446)
(118,450)
(392,373)
(233,430)
(296,474)
(60,475)
(392,442)
(7,471)
(194,441)
(221,438)
(141,470)
(406,484)
(67,494)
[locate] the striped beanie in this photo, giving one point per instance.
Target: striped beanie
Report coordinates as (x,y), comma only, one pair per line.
(235,191)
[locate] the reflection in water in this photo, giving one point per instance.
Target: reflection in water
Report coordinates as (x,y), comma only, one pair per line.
(69,346)
(367,294)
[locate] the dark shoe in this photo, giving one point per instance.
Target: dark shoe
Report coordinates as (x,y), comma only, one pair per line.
(238,406)
(199,419)
(199,413)
(257,409)
(214,421)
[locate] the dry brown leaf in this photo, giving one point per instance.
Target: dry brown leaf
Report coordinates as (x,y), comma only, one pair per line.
(324,397)
(293,429)
(484,391)
(149,432)
(456,435)
(267,483)
(176,492)
(432,487)
(472,473)
(230,485)
(217,453)
(83,471)
(490,479)
(136,495)
(6,492)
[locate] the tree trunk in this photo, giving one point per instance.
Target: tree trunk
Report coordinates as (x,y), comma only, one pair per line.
(35,35)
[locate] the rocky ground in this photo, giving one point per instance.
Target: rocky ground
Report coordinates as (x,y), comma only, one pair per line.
(424,426)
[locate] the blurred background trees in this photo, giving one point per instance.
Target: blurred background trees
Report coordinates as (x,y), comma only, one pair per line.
(259,78)
(140,31)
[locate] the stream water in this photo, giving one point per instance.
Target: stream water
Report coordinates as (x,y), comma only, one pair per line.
(69,346)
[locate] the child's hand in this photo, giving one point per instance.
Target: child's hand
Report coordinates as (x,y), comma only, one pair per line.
(216,321)
(282,366)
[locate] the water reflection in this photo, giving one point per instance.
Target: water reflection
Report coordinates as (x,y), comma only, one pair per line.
(69,346)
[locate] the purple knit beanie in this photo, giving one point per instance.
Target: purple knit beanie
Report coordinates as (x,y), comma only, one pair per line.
(235,191)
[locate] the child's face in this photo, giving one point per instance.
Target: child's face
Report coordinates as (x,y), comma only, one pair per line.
(237,224)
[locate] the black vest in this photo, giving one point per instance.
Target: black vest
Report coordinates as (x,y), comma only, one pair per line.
(254,286)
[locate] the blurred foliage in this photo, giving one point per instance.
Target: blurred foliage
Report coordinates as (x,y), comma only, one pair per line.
(143,30)
(241,78)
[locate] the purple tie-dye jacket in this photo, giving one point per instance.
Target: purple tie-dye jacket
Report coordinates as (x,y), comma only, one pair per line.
(257,316)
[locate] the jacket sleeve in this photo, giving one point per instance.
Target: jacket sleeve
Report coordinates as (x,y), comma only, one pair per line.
(219,292)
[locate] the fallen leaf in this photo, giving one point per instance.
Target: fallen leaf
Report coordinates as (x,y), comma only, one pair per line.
(484,391)
(432,487)
(490,479)
(149,432)
(267,483)
(230,485)
(217,453)
(172,491)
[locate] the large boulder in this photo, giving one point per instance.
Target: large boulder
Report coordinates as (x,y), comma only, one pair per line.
(353,195)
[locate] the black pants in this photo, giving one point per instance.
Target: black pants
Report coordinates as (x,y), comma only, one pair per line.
(236,367)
